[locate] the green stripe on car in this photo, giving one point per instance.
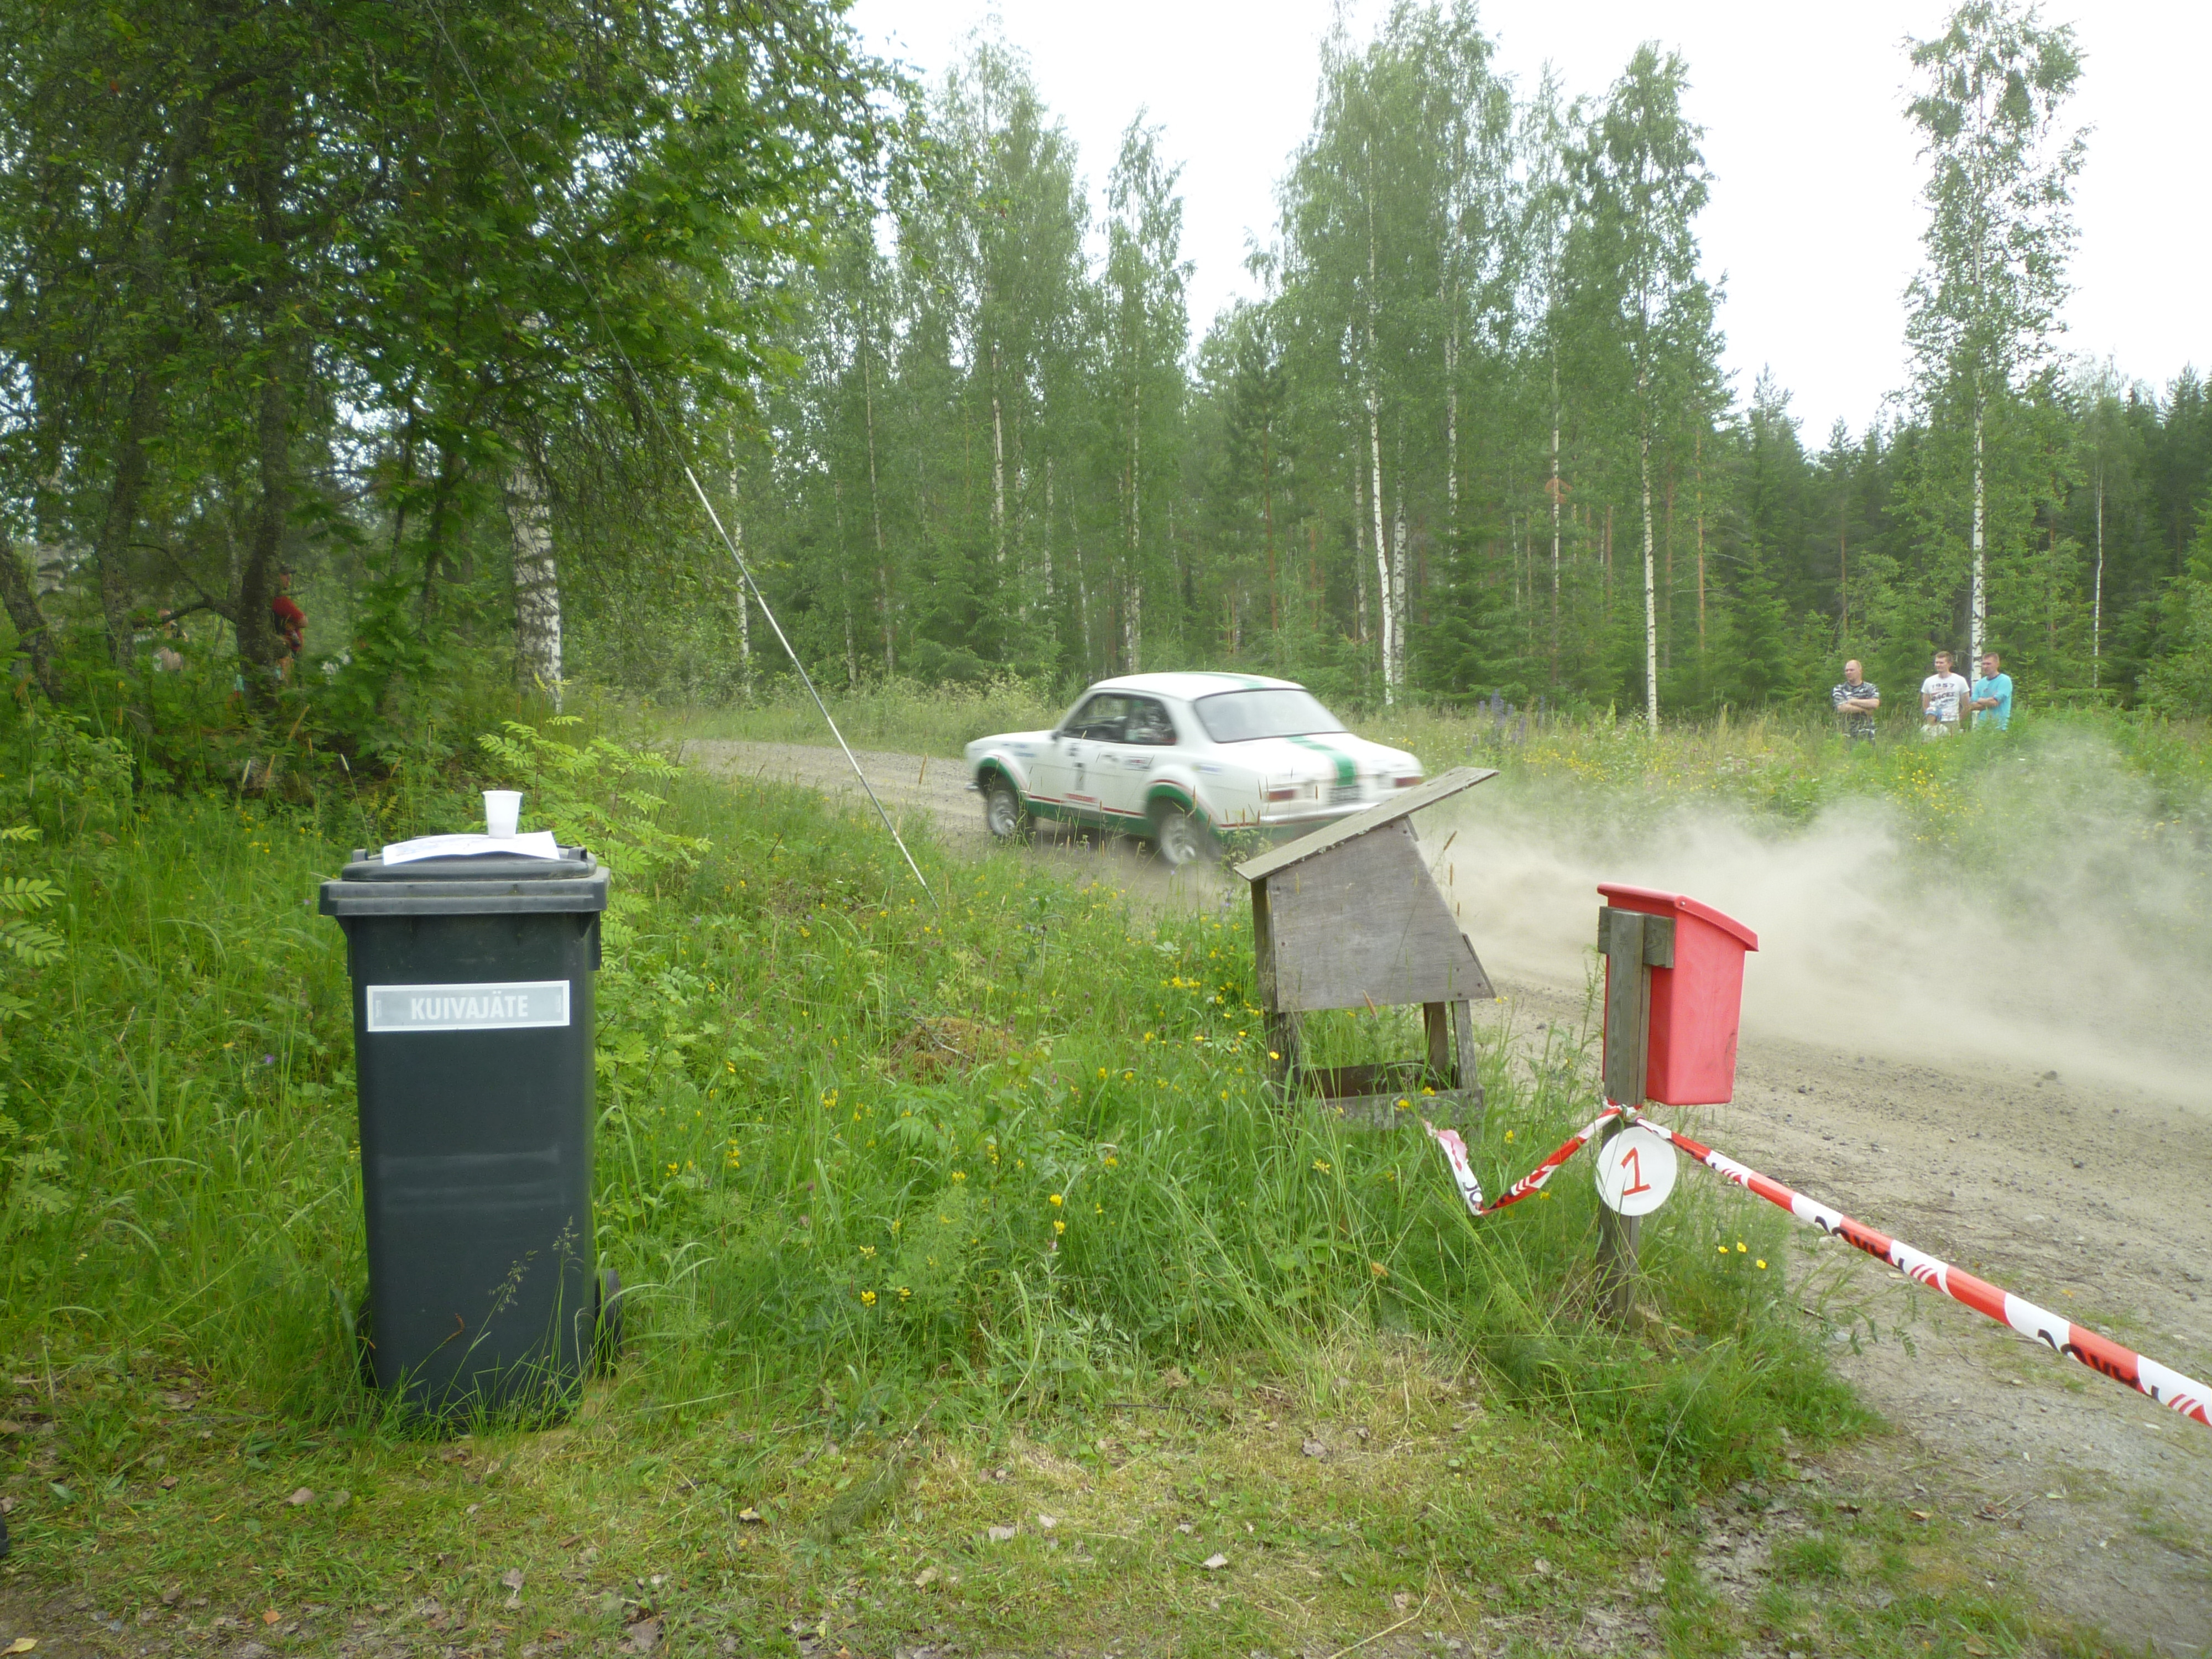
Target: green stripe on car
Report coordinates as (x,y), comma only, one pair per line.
(1346,771)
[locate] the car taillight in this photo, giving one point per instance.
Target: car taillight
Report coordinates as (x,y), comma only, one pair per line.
(1406,782)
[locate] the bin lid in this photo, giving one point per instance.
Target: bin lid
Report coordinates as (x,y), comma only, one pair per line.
(482,884)
(1652,900)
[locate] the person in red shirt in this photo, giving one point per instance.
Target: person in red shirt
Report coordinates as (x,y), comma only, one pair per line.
(289,622)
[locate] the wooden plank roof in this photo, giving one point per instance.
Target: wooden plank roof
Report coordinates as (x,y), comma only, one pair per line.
(1344,829)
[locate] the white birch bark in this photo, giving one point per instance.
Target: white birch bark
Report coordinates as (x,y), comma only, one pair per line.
(1555,517)
(1650,595)
(537,583)
(1386,623)
(1980,601)
(998,469)
(2096,597)
(1398,608)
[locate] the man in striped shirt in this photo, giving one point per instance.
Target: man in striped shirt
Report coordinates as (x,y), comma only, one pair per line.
(1855,699)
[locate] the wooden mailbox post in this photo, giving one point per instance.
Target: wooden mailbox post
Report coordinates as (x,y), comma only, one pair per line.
(1633,944)
(1350,917)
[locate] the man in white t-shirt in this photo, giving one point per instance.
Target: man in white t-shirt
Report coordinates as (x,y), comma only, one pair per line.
(1942,695)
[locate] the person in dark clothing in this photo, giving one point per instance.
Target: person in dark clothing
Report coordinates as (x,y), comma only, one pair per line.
(1855,699)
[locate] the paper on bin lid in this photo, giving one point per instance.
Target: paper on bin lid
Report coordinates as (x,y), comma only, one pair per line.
(538,844)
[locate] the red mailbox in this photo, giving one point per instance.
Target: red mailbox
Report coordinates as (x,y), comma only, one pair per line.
(1697,1004)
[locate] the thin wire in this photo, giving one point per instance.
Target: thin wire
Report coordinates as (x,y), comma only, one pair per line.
(667,432)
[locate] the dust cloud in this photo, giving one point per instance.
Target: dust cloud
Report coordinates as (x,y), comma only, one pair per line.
(2062,927)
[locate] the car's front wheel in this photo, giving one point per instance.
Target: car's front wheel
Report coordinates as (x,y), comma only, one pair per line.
(1179,836)
(1004,815)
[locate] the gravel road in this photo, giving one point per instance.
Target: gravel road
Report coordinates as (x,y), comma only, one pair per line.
(2089,1195)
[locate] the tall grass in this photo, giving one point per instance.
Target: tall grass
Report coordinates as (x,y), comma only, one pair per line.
(851,1146)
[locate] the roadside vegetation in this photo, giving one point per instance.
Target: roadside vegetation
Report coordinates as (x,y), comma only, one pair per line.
(1775,765)
(936,1219)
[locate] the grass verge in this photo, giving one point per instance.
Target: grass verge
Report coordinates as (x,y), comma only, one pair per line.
(936,1221)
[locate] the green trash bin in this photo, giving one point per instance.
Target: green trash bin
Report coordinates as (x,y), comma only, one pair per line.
(472,1035)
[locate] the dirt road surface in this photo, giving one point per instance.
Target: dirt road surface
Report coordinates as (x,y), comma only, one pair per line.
(2087,1195)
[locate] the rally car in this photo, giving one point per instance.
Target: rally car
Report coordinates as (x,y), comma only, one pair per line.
(1180,759)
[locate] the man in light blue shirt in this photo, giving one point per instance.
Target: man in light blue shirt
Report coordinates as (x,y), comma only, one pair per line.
(1991,698)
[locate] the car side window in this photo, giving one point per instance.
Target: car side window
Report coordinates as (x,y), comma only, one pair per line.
(1102,719)
(1149,724)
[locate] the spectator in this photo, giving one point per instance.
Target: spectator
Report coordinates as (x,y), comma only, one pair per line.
(1856,700)
(167,660)
(1942,695)
(289,622)
(1991,699)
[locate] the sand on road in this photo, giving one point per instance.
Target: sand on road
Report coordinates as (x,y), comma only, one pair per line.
(2089,1192)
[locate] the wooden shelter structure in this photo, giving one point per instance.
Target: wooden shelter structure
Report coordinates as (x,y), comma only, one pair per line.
(1351,917)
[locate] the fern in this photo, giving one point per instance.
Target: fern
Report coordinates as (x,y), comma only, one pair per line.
(29,1169)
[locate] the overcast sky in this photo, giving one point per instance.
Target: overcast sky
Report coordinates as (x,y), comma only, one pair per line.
(1815,217)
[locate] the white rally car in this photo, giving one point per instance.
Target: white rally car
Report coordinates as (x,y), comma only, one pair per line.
(1180,758)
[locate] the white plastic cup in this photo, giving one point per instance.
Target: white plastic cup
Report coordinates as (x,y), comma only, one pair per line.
(502,813)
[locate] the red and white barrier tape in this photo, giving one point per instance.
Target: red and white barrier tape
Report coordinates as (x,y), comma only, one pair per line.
(2169,1387)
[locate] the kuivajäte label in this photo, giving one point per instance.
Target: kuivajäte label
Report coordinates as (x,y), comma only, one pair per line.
(522,1006)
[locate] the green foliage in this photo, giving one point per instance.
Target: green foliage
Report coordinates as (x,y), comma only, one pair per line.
(2180,681)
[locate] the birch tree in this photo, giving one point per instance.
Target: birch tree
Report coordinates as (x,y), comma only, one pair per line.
(1643,181)
(2001,162)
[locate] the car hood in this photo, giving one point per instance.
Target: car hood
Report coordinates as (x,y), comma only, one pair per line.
(1326,757)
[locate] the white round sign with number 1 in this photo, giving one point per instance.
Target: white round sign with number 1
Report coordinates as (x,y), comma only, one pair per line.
(1636,1170)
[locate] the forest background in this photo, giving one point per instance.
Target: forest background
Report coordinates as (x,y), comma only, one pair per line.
(434,311)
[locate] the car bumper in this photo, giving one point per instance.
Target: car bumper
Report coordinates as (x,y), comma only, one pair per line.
(1288,824)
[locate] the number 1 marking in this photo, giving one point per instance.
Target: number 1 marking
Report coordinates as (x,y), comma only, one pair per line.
(1636,1168)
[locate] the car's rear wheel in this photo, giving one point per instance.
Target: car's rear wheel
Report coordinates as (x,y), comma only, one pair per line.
(1004,816)
(1181,837)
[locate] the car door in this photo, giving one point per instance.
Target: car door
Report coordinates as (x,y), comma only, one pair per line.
(1071,764)
(1123,770)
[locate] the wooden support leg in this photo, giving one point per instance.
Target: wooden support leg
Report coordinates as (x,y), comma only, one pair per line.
(1463,1075)
(1616,1250)
(1437,1029)
(1283,1045)
(1627,1023)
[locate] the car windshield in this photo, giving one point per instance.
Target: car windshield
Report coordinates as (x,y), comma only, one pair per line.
(1281,711)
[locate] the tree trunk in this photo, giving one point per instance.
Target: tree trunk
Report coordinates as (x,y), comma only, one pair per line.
(1386,622)
(1268,511)
(1979,603)
(1358,553)
(1451,440)
(537,583)
(744,614)
(1556,494)
(998,468)
(112,550)
(1650,594)
(255,630)
(1399,610)
(876,507)
(1386,616)
(1700,455)
(1051,586)
(2097,595)
(257,642)
(142,417)
(32,634)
